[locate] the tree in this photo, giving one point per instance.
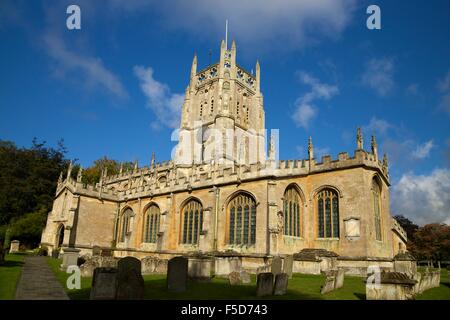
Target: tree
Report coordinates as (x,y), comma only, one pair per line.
(91,175)
(407,225)
(432,242)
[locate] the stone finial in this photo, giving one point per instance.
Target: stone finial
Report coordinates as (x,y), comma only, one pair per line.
(258,76)
(310,149)
(80,174)
(272,148)
(194,66)
(69,171)
(385,161)
(359,139)
(374,147)
(60,179)
(121,168)
(233,45)
(152,162)
(136,166)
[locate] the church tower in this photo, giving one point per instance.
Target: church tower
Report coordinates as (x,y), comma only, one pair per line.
(222,115)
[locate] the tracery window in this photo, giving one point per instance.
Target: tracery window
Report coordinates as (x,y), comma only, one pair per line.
(151,223)
(376,195)
(124,224)
(192,221)
(328,214)
(292,212)
(242,220)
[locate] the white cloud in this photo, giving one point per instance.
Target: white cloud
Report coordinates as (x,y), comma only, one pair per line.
(165,104)
(305,109)
(377,126)
(423,198)
(379,75)
(91,69)
(274,25)
(422,151)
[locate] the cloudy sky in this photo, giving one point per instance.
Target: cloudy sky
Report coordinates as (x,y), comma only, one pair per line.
(114,87)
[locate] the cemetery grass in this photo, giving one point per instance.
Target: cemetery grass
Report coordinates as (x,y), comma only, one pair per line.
(9,275)
(301,287)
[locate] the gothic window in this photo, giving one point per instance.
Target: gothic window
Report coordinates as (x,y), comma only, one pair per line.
(328,214)
(242,220)
(192,220)
(124,224)
(151,223)
(292,212)
(376,195)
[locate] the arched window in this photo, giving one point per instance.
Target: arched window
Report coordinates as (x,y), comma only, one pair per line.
(376,195)
(151,223)
(242,220)
(328,214)
(192,219)
(124,224)
(292,212)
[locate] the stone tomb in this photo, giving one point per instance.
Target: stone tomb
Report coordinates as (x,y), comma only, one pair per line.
(199,268)
(177,273)
(392,286)
(281,284)
(151,265)
(70,257)
(130,283)
(104,284)
(276,265)
(264,284)
(223,266)
(14,246)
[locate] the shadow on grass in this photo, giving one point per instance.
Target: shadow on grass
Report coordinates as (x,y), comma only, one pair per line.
(12,264)
(360,296)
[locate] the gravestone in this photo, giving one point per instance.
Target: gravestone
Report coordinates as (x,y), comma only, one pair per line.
(234,278)
(276,265)
(288,265)
(245,277)
(177,273)
(70,257)
(264,268)
(129,282)
(14,246)
(339,282)
(330,282)
(104,284)
(264,284)
(96,250)
(281,284)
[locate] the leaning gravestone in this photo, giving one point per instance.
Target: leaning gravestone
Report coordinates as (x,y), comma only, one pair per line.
(329,282)
(234,278)
(104,284)
(264,284)
(129,283)
(281,284)
(276,265)
(288,265)
(177,273)
(245,277)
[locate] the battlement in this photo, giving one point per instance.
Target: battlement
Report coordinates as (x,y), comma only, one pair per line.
(396,227)
(165,177)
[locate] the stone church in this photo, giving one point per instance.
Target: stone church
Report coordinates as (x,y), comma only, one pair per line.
(223,195)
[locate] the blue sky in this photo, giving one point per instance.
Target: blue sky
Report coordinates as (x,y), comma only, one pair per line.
(323,74)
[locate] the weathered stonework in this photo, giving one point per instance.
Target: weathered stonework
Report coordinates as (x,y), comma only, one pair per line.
(88,217)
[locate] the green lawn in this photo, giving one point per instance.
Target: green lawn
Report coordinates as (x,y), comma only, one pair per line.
(9,275)
(301,287)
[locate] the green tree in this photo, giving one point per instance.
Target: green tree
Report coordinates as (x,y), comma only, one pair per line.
(432,242)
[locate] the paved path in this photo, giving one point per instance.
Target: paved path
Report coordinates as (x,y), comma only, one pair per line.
(38,282)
